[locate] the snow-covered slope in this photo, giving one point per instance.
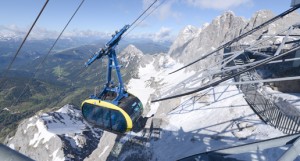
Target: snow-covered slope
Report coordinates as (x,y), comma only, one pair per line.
(59,135)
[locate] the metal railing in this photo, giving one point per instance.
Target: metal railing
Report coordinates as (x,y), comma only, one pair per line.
(265,107)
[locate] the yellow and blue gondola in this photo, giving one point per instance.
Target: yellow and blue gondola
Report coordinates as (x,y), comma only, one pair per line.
(110,117)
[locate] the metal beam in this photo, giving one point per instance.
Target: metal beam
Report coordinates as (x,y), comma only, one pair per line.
(284,60)
(258,53)
(263,81)
(284,40)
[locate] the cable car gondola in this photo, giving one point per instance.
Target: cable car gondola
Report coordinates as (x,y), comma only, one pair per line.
(111,117)
(114,109)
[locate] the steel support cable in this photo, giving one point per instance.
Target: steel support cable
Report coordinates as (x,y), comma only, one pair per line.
(143,13)
(289,42)
(46,56)
(20,47)
(230,76)
(145,18)
(290,35)
(263,81)
(283,41)
(241,36)
(201,71)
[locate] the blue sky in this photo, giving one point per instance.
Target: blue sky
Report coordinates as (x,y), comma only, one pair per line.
(106,16)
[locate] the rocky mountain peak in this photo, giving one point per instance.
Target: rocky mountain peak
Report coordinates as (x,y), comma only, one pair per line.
(227,14)
(259,17)
(263,14)
(222,29)
(184,36)
(130,59)
(189,30)
(131,51)
(226,21)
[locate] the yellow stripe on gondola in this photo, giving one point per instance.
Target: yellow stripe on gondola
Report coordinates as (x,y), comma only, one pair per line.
(111,106)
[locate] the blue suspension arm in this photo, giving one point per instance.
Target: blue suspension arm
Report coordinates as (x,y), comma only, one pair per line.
(109,51)
(109,45)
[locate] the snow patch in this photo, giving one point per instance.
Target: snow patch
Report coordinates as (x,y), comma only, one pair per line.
(141,87)
(55,157)
(153,110)
(64,121)
(42,134)
(12,146)
(6,109)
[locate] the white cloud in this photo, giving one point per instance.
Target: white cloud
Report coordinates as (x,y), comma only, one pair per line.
(86,33)
(217,4)
(11,32)
(39,33)
(167,10)
(163,34)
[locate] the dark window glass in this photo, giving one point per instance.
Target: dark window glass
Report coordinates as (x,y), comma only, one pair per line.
(118,121)
(104,117)
(98,116)
(87,112)
(136,110)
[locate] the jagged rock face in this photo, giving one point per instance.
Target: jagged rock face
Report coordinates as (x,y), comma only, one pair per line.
(262,16)
(258,18)
(129,54)
(184,37)
(221,30)
(59,135)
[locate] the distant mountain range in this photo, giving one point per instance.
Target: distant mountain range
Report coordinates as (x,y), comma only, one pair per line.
(34,49)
